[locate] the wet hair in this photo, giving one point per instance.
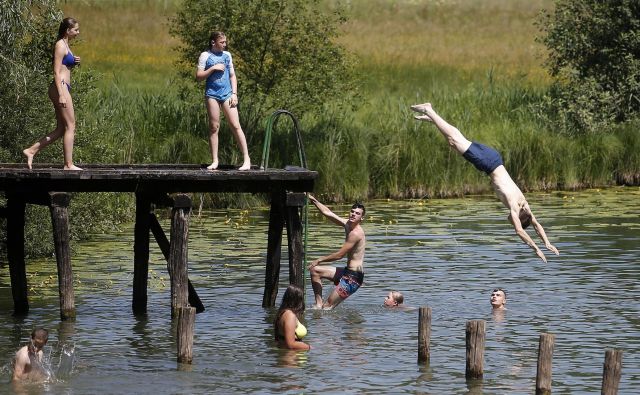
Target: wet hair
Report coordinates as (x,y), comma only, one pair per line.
(359,205)
(397,297)
(215,36)
(67,23)
(40,334)
(501,290)
(525,219)
(293,299)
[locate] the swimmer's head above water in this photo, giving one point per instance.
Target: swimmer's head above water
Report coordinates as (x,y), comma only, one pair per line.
(498,299)
(393,299)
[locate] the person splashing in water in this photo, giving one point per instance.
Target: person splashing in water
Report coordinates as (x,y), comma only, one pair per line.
(28,364)
(489,161)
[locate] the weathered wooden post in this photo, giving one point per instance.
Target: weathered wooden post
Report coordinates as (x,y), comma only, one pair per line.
(15,253)
(475,336)
(274,247)
(186,325)
(141,254)
(611,372)
(545,356)
(178,252)
(424,334)
(294,202)
(59,208)
(163,243)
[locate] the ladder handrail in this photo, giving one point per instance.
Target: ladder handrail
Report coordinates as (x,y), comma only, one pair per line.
(264,164)
(271,123)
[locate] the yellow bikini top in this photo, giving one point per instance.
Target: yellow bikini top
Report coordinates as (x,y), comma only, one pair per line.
(301,331)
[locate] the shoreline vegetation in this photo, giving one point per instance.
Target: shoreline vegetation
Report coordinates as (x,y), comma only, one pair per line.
(477,61)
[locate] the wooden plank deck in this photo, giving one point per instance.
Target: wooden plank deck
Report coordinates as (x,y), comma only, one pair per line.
(167,178)
(50,185)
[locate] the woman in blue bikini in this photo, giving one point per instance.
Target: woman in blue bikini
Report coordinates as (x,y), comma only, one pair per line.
(60,95)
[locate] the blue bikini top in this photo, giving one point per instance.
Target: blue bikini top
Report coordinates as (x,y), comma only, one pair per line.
(68,59)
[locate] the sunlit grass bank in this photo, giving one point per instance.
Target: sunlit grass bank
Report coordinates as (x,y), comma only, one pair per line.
(477,61)
(465,35)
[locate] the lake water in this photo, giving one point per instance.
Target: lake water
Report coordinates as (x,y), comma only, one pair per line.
(446,254)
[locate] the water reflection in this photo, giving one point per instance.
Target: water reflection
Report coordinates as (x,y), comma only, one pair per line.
(447,254)
(292,359)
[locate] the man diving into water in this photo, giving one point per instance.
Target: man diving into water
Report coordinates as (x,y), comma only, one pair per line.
(347,280)
(488,160)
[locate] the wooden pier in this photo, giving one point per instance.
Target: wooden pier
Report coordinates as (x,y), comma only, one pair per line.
(154,186)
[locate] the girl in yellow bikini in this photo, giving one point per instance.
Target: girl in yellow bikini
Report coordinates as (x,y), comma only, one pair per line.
(287,329)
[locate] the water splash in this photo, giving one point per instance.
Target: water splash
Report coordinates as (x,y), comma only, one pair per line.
(66,361)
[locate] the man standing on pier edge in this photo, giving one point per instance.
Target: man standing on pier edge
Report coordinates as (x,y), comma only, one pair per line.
(347,280)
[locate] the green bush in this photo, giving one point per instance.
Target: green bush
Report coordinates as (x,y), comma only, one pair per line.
(594,56)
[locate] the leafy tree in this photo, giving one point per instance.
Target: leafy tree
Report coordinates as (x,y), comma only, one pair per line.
(594,56)
(25,58)
(283,51)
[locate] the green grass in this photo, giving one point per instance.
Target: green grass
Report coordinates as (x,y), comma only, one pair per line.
(477,61)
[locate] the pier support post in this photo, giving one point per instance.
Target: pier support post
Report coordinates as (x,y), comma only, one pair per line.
(186,325)
(545,356)
(611,372)
(294,202)
(274,248)
(475,336)
(424,334)
(178,253)
(15,253)
(59,208)
(141,254)
(163,243)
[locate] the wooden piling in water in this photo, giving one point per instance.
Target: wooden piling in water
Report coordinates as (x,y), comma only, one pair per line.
(294,202)
(15,253)
(186,325)
(178,252)
(141,254)
(611,372)
(424,334)
(475,337)
(274,248)
(545,357)
(59,208)
(163,243)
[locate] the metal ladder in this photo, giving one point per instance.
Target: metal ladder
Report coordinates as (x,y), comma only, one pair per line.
(272,122)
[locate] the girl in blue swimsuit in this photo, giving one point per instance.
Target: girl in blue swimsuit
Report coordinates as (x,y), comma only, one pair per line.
(221,94)
(60,95)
